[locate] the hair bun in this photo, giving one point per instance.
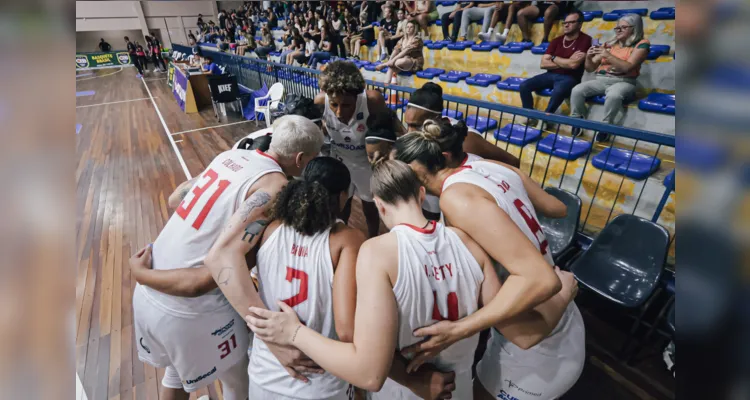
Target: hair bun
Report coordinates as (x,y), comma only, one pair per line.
(431,129)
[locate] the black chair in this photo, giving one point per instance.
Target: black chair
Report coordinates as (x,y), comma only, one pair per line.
(560,232)
(224,89)
(625,261)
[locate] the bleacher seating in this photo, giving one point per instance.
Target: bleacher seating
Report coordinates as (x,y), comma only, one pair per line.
(659,103)
(513,83)
(625,162)
(483,80)
(453,114)
(663,13)
(511,49)
(541,49)
(481,124)
(524,45)
(616,14)
(454,76)
(429,73)
(460,45)
(601,98)
(564,147)
(518,134)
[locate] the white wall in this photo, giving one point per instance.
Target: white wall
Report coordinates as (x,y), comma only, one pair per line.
(89,41)
(168,20)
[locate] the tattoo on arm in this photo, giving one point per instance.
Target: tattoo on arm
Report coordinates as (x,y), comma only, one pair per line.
(224,275)
(254,229)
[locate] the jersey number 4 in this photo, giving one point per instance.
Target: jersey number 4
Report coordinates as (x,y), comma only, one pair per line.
(452,303)
(198,190)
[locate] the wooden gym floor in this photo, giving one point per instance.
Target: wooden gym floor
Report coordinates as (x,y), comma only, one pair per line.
(127,168)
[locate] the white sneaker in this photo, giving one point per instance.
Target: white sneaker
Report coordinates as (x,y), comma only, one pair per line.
(486,36)
(204,397)
(501,38)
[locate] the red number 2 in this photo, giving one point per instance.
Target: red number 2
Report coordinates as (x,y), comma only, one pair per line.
(536,229)
(301,296)
(198,191)
(452,302)
(224,346)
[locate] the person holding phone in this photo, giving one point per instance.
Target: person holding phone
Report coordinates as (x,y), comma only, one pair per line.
(564,64)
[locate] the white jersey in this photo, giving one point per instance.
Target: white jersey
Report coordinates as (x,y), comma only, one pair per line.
(198,221)
(298,270)
(506,187)
(348,140)
(432,203)
(438,279)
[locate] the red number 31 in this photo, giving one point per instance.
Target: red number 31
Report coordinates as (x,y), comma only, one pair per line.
(183,211)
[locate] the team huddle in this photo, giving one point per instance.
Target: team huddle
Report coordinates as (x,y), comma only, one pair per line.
(327,313)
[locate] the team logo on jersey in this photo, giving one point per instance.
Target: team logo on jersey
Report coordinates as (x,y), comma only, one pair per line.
(361,128)
(123,58)
(360,116)
(144,346)
(505,396)
(223,329)
(82,61)
(512,385)
(200,378)
(347,139)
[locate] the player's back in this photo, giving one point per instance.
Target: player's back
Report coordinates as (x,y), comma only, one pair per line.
(198,221)
(297,269)
(506,187)
(438,279)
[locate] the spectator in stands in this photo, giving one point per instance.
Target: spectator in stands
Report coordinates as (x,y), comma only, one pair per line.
(476,11)
(273,22)
(325,47)
(297,45)
(311,46)
(453,17)
(337,29)
(200,23)
(192,41)
(564,64)
(424,12)
(507,9)
(104,46)
(407,55)
(266,44)
(352,26)
(364,35)
(243,43)
(549,9)
(616,65)
(210,67)
(222,17)
(388,27)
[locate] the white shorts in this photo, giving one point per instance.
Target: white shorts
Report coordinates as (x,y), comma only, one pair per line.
(392,390)
(360,182)
(200,349)
(257,392)
(509,373)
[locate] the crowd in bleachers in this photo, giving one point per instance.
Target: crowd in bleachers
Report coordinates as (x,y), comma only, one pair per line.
(314,32)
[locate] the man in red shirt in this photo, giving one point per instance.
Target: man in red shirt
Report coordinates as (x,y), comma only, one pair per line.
(564,64)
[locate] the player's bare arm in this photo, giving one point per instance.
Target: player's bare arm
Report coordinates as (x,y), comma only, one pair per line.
(543,202)
(476,144)
(179,194)
(531,282)
(182,282)
(365,363)
(345,243)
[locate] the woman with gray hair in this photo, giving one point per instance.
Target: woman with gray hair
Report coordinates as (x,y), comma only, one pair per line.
(616,65)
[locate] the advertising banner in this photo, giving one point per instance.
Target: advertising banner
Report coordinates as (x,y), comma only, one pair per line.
(170,75)
(180,87)
(111,59)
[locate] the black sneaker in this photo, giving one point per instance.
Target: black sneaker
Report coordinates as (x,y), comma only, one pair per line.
(575,131)
(602,137)
(532,123)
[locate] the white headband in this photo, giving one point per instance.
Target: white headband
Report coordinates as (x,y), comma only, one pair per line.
(423,108)
(378,139)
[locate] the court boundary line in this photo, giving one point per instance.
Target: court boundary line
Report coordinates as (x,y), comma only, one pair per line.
(211,127)
(169,134)
(113,102)
(100,76)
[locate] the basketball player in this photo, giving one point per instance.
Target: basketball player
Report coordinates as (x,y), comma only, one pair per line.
(196,339)
(347,105)
(418,273)
(496,205)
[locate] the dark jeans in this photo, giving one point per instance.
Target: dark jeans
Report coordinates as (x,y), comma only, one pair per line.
(561,86)
(262,52)
(317,57)
(446,21)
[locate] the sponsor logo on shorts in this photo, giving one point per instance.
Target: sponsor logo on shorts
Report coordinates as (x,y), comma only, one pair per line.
(223,329)
(140,341)
(200,378)
(512,385)
(82,61)
(360,116)
(505,396)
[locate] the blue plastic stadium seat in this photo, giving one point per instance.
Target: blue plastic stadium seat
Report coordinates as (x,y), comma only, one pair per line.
(460,45)
(659,103)
(658,50)
(663,13)
(544,92)
(447,3)
(438,22)
(454,76)
(511,49)
(518,134)
(437,45)
(482,47)
(361,64)
(376,23)
(625,162)
(624,263)
(482,124)
(429,73)
(616,14)
(525,45)
(453,114)
(590,15)
(669,181)
(406,73)
(539,19)
(426,42)
(601,98)
(541,49)
(512,83)
(564,147)
(401,103)
(483,80)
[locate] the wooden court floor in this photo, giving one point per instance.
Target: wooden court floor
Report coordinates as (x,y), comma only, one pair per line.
(127,167)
